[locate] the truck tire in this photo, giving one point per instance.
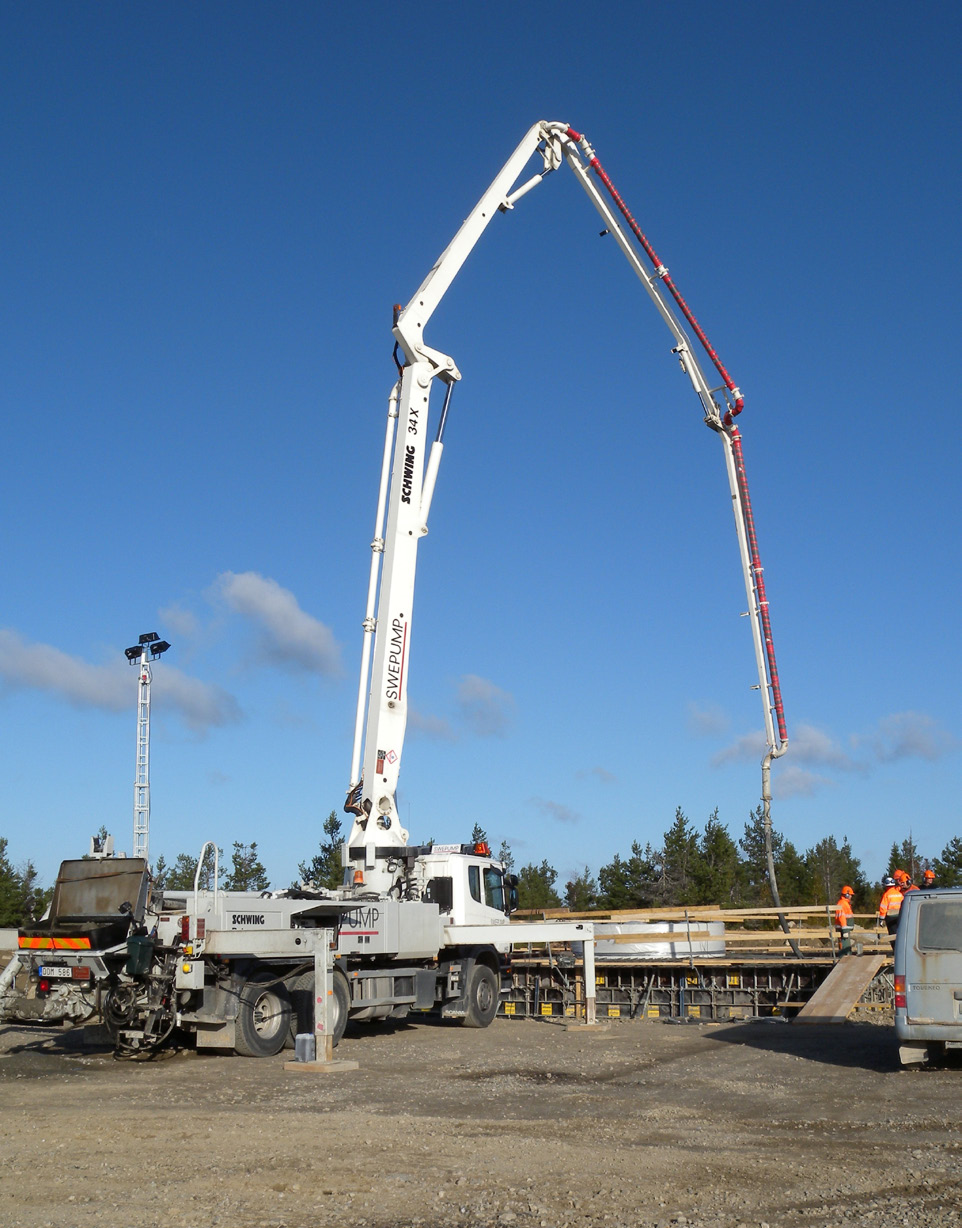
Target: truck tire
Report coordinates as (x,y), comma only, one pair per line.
(302,1004)
(482,995)
(263,1016)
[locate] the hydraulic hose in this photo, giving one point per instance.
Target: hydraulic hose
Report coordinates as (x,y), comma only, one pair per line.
(662,272)
(759,582)
(776,745)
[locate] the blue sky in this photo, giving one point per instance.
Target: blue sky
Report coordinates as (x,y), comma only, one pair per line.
(209,211)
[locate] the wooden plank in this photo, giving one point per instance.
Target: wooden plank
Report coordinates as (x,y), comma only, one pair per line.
(738,937)
(679,937)
(697,912)
(836,997)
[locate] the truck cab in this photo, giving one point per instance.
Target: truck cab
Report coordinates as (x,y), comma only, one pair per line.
(928,975)
(468,887)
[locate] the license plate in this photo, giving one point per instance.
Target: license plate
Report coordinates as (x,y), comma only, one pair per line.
(53,971)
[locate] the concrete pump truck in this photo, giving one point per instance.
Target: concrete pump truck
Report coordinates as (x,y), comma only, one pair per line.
(410,928)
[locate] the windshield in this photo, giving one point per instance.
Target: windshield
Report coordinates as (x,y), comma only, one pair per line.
(494,888)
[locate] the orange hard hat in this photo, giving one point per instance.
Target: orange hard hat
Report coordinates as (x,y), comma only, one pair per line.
(929,876)
(848,891)
(900,876)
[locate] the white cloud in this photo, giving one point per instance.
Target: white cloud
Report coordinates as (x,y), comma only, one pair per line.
(807,745)
(555,810)
(813,746)
(485,708)
(911,735)
(111,687)
(790,780)
(287,635)
(179,621)
(43,667)
(903,735)
(600,773)
(749,746)
(435,727)
(201,705)
(704,720)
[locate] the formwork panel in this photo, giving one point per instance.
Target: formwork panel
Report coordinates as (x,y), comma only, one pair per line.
(710,990)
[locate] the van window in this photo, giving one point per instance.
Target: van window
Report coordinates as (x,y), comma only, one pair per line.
(940,925)
(474,882)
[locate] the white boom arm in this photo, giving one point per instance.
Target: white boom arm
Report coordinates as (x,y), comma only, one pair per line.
(409,472)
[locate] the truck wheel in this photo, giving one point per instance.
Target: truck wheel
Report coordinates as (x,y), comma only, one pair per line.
(482,997)
(302,1004)
(263,1016)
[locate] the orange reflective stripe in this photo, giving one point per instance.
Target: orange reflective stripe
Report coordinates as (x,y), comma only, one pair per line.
(51,944)
(891,902)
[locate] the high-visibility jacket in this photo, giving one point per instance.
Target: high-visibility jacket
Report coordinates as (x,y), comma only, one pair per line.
(890,903)
(843,910)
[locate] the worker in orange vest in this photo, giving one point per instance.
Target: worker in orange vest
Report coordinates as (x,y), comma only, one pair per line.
(903,881)
(843,908)
(890,905)
(843,919)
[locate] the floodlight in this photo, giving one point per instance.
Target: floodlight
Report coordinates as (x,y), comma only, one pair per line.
(160,647)
(149,637)
(133,654)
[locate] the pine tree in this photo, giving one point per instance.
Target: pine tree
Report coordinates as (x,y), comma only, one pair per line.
(679,862)
(160,873)
(536,887)
(830,867)
(506,857)
(18,890)
(181,875)
(948,866)
(627,883)
(581,893)
(794,877)
(247,872)
(755,863)
(324,869)
(716,867)
(906,856)
(35,897)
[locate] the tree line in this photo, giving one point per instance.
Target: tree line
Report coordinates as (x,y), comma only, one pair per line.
(691,867)
(20,892)
(686,867)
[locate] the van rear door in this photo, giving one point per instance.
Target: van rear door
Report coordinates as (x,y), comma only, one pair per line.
(933,980)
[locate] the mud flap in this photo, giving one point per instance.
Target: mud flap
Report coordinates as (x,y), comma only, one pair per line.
(425,986)
(455,1004)
(215,1035)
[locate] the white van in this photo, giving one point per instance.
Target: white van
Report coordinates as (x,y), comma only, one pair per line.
(928,975)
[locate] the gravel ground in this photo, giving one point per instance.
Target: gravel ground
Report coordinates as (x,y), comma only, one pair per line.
(528,1124)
